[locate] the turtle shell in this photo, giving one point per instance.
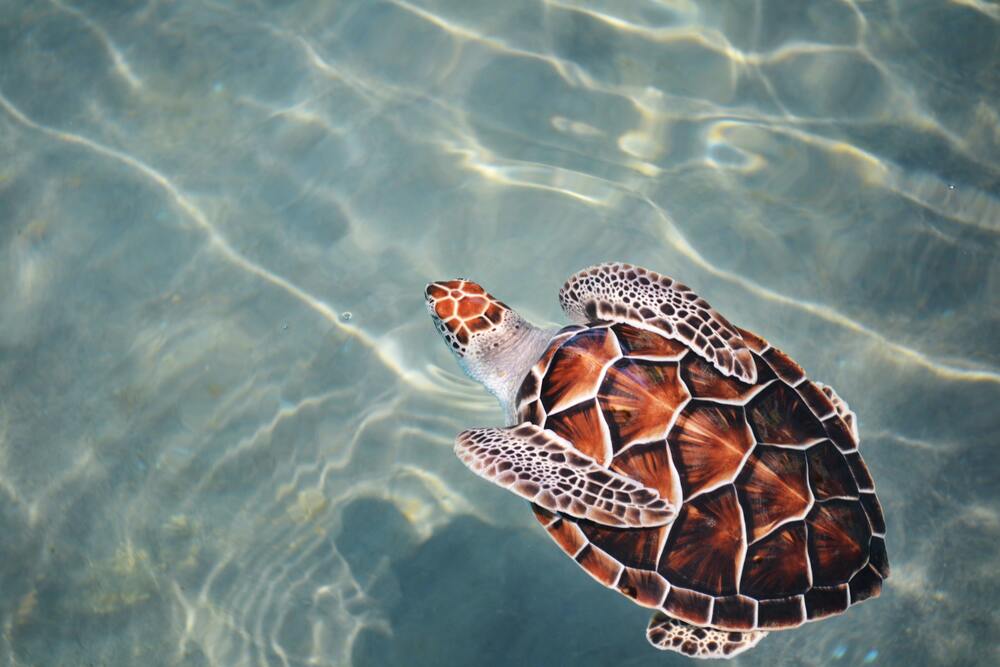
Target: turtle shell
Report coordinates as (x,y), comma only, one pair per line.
(778,522)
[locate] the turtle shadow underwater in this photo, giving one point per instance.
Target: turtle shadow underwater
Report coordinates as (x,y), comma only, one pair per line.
(500,594)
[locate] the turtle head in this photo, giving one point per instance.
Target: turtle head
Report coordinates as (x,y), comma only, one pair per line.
(494,344)
(465,314)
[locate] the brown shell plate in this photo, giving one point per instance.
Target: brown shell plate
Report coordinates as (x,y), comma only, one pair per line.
(778,521)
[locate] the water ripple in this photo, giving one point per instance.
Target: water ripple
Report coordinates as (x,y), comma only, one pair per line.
(222,469)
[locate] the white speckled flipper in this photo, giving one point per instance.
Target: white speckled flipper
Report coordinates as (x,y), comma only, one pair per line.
(540,466)
(626,293)
(670,634)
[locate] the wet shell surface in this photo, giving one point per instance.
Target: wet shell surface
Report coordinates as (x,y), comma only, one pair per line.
(777,520)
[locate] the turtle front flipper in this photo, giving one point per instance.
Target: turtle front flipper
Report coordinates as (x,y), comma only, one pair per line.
(626,293)
(670,634)
(540,466)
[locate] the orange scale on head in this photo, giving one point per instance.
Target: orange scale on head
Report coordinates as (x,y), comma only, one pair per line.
(462,334)
(478,324)
(494,313)
(472,288)
(444,308)
(436,291)
(471,306)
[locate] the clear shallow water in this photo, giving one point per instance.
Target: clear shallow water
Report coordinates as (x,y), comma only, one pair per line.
(205,461)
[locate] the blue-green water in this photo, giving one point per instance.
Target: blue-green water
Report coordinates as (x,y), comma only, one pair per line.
(226,420)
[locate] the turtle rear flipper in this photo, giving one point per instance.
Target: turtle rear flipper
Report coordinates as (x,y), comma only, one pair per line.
(626,293)
(843,410)
(540,466)
(670,634)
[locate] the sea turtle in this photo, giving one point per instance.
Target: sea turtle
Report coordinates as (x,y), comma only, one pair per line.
(677,458)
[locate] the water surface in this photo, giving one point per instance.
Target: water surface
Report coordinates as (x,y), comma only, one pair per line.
(226,420)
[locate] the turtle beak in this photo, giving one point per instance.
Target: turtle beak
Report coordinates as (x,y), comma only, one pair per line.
(442,302)
(432,293)
(441,305)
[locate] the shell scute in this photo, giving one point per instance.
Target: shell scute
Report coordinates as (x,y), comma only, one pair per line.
(542,366)
(581,425)
(544,516)
(647,588)
(650,464)
(838,541)
(823,602)
(706,544)
(829,474)
(600,565)
(873,508)
(817,401)
(783,613)
(865,584)
(644,343)
(705,382)
(637,547)
(532,412)
(878,558)
(773,488)
(577,367)
(639,399)
(860,471)
(783,366)
(840,433)
(528,390)
(688,605)
(764,373)
(778,565)
(708,443)
(778,416)
(735,612)
(567,535)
